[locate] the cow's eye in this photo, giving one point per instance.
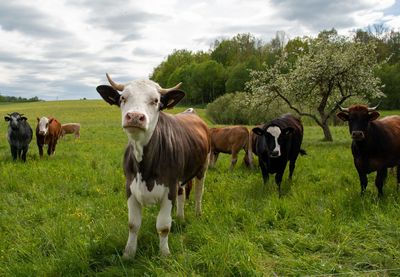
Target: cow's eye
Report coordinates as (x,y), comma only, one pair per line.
(122,99)
(155,101)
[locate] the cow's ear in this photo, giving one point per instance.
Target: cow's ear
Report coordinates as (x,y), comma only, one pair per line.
(110,95)
(373,115)
(288,130)
(51,120)
(24,118)
(258,131)
(7,118)
(343,116)
(38,119)
(169,100)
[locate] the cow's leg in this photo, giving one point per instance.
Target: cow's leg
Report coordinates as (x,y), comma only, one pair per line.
(19,152)
(278,180)
(134,222)
(50,148)
(398,177)
(163,225)
(213,158)
(40,150)
(180,204)
(24,151)
(13,152)
(198,191)
(188,188)
(363,180)
(380,180)
(234,159)
(53,149)
(264,170)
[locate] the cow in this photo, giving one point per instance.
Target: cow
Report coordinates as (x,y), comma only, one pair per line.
(275,143)
(71,128)
(164,152)
(19,135)
(375,143)
(230,140)
(48,131)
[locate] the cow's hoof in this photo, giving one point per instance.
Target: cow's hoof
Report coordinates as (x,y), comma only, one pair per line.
(165,252)
(128,255)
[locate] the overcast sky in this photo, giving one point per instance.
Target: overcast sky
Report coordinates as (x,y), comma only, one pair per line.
(57,49)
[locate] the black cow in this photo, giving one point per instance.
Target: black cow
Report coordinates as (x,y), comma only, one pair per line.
(19,135)
(376,143)
(276,143)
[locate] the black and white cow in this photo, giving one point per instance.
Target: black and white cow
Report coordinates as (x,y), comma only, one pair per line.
(276,143)
(164,152)
(19,135)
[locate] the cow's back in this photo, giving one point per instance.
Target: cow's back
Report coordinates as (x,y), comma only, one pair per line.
(54,128)
(225,139)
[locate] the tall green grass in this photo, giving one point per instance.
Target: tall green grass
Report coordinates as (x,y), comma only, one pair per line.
(67,216)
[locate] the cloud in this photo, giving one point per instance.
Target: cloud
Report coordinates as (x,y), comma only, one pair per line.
(27,20)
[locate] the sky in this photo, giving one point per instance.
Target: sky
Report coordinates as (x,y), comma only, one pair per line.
(61,49)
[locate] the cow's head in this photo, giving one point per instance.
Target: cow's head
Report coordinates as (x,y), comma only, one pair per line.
(43,125)
(271,139)
(358,117)
(140,103)
(14,120)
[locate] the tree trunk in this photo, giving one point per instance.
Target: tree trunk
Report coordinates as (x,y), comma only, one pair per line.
(327,131)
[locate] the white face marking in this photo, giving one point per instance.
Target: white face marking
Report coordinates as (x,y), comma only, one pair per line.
(143,195)
(275,132)
(141,97)
(44,125)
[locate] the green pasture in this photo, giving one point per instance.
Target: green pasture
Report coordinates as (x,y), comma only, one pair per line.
(67,215)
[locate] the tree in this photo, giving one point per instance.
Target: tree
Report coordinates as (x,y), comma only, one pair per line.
(333,70)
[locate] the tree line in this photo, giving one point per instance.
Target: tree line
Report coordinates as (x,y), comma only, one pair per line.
(13,99)
(226,67)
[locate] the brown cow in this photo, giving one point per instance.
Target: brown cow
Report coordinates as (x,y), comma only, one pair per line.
(164,152)
(230,140)
(376,144)
(71,128)
(47,132)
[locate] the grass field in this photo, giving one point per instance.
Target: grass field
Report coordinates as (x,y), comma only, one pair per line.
(67,215)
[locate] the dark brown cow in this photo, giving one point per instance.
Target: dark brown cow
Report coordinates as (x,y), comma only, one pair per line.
(71,128)
(376,143)
(230,140)
(47,132)
(164,152)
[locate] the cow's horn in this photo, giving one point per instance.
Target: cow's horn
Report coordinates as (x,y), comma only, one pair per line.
(344,109)
(374,108)
(116,86)
(166,90)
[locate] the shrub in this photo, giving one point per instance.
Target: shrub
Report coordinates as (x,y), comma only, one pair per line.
(238,108)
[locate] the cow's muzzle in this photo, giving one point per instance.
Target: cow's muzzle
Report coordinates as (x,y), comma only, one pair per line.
(274,154)
(134,120)
(42,133)
(357,135)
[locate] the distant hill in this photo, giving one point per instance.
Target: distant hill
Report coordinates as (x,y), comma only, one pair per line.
(14,99)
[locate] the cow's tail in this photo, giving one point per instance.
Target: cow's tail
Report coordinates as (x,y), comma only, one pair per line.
(303,152)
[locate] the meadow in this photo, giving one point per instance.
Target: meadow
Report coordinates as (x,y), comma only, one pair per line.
(66,215)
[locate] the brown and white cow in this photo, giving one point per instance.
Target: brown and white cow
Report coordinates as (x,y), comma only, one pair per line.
(376,143)
(47,132)
(230,140)
(164,152)
(71,128)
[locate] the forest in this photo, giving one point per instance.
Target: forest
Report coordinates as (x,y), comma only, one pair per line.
(226,67)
